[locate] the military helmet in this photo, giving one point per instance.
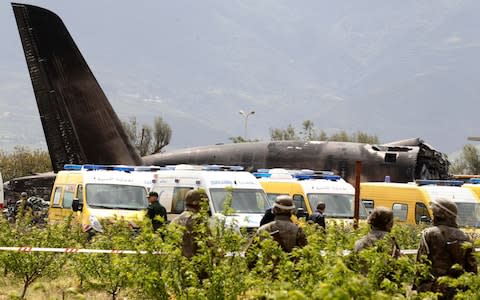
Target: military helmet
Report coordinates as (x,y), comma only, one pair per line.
(283,205)
(443,208)
(193,198)
(381,218)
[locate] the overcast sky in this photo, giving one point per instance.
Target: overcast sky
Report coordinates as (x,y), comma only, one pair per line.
(404,69)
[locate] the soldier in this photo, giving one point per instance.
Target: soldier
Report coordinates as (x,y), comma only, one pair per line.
(189,219)
(155,209)
(287,234)
(268,217)
(22,206)
(444,245)
(318,217)
(381,222)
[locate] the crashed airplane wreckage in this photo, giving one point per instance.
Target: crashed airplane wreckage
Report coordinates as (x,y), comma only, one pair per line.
(403,161)
(81,126)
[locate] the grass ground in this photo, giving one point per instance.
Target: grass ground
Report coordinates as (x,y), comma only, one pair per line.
(63,288)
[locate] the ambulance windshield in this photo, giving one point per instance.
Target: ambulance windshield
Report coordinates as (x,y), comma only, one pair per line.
(248,201)
(468,214)
(116,196)
(467,206)
(336,205)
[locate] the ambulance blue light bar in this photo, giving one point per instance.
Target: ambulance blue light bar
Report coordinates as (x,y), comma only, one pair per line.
(317,176)
(72,167)
(91,167)
(222,168)
(421,182)
(475,180)
(260,174)
(300,174)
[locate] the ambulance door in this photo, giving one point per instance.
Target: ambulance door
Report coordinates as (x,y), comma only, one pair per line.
(296,191)
(67,199)
(55,210)
(164,196)
(178,200)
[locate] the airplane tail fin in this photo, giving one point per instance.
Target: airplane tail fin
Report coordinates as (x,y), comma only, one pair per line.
(79,123)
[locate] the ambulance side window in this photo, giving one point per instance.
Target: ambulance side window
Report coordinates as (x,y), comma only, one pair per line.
(400,211)
(272,198)
(421,210)
(68,196)
(56,196)
(369,205)
(298,201)
(178,199)
(67,199)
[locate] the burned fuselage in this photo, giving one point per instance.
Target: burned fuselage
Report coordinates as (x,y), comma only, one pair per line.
(401,162)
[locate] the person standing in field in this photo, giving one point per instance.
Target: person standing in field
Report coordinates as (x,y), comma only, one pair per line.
(449,250)
(381,223)
(318,217)
(156,209)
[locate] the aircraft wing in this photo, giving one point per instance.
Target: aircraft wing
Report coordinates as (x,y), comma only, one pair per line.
(79,123)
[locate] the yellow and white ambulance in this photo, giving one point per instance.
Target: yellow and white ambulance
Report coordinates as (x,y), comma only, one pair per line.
(474,185)
(95,192)
(410,202)
(307,188)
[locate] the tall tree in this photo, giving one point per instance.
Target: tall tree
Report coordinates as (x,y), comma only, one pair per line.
(162,133)
(341,136)
(309,133)
(468,162)
(148,140)
(277,134)
(308,130)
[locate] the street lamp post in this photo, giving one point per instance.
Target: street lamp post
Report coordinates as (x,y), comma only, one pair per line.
(246,114)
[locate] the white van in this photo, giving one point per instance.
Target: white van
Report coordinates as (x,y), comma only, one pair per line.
(249,201)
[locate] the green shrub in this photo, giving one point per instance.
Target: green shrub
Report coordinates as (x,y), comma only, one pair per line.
(321,270)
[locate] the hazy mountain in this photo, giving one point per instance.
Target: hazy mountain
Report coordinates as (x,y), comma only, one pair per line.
(396,69)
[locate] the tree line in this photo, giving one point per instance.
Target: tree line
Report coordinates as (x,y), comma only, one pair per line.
(308,132)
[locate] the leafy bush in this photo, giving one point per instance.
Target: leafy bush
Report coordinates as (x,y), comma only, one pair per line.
(321,270)
(31,266)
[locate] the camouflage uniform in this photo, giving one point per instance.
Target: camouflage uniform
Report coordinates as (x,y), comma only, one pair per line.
(22,206)
(287,234)
(372,237)
(444,245)
(189,220)
(381,222)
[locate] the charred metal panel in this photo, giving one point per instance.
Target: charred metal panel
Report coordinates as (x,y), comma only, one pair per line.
(401,163)
(79,123)
(36,185)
